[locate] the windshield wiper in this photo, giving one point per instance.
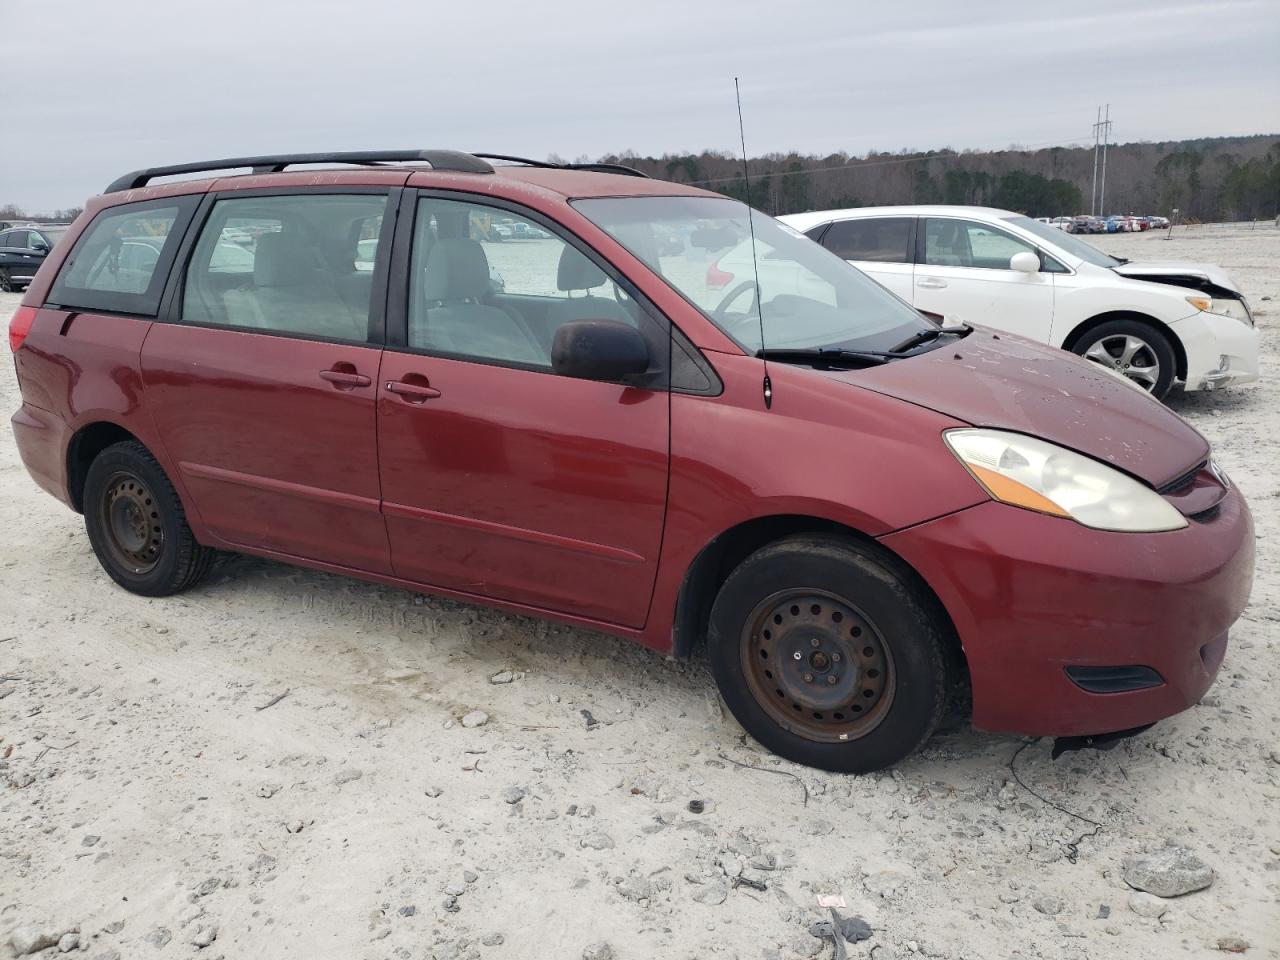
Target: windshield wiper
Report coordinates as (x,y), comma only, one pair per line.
(925,336)
(828,355)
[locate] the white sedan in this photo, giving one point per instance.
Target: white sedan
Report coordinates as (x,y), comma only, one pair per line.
(1156,323)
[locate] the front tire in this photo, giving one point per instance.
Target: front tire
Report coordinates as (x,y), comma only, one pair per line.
(829,653)
(1132,349)
(137,525)
(6,284)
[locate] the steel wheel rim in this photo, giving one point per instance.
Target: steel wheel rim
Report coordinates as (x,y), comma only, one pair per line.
(817,665)
(130,520)
(1128,356)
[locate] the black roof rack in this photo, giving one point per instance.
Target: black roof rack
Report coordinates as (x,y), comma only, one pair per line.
(597,167)
(451,160)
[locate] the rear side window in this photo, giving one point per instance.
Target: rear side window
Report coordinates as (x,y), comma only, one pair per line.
(299,265)
(121,262)
(876,240)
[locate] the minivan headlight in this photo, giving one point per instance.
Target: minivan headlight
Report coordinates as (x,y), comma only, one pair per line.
(1236,309)
(1036,475)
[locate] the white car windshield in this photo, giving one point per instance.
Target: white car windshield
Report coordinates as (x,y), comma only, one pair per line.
(702,247)
(1065,241)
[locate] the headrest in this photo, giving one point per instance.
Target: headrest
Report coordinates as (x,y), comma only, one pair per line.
(280,260)
(456,269)
(577,272)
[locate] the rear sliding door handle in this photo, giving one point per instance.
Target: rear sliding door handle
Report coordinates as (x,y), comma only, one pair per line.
(412,392)
(345,378)
(931,283)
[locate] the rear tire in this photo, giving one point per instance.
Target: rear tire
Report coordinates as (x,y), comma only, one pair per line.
(829,653)
(137,526)
(6,285)
(1133,349)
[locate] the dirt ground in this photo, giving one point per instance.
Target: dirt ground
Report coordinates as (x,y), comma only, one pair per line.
(157,791)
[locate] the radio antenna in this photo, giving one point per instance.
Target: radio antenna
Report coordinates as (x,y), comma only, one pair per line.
(755,263)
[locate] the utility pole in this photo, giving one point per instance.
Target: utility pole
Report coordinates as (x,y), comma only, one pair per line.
(1093,200)
(1106,135)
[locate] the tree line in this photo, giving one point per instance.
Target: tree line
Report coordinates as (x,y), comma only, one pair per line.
(1210,179)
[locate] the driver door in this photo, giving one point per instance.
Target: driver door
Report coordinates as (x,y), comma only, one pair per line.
(963,274)
(500,478)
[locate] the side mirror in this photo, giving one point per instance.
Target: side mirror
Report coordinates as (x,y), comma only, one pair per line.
(1025,262)
(599,350)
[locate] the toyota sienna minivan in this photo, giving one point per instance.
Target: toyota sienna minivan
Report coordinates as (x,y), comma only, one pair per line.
(857,513)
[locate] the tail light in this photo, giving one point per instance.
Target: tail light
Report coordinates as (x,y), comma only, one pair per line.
(716,277)
(20,325)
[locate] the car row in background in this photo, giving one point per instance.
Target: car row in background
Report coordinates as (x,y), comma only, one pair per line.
(1155,324)
(1115,223)
(22,250)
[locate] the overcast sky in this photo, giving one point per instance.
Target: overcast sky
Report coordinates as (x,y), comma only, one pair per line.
(111,86)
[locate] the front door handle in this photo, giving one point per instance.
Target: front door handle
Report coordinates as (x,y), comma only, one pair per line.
(412,392)
(344,377)
(931,283)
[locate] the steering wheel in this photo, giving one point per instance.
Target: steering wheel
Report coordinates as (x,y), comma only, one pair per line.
(721,309)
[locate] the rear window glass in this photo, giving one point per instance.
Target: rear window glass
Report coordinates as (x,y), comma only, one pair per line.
(120,263)
(874,240)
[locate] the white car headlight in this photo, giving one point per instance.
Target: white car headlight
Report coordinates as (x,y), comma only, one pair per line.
(1236,309)
(1035,475)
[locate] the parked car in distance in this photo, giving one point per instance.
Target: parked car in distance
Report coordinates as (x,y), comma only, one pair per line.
(1065,224)
(859,515)
(23,249)
(1155,323)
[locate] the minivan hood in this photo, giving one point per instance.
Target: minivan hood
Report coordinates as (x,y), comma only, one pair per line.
(1179,272)
(1006,382)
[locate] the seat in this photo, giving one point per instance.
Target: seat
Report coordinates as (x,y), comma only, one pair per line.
(949,246)
(576,272)
(451,318)
(293,292)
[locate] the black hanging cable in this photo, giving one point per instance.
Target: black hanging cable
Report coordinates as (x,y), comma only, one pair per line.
(755,265)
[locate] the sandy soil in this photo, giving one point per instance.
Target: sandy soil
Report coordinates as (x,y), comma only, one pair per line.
(147,794)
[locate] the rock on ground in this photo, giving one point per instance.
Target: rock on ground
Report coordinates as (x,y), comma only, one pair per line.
(1170,872)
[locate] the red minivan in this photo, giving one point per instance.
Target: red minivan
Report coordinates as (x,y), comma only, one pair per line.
(513,383)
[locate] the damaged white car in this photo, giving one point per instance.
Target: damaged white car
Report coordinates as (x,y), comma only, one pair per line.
(1155,323)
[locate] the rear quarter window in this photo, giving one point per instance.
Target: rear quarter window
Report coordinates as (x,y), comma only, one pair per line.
(122,260)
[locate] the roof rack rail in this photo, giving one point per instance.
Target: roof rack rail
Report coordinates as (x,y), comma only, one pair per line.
(596,167)
(449,160)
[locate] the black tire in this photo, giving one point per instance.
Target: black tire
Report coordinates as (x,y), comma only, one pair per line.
(137,525)
(1110,338)
(842,589)
(6,285)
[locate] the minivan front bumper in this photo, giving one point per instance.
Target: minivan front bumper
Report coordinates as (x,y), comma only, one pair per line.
(1034,596)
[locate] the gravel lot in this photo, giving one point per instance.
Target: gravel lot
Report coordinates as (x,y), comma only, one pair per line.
(157,794)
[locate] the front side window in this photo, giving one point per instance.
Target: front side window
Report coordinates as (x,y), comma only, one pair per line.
(298,264)
(807,297)
(487,284)
(876,239)
(120,262)
(968,243)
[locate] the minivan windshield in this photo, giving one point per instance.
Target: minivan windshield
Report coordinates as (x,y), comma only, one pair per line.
(1065,241)
(809,298)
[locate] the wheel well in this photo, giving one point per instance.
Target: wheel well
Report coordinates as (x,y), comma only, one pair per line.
(1179,354)
(88,442)
(718,559)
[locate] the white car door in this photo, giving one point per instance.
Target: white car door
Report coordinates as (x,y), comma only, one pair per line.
(965,276)
(878,246)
